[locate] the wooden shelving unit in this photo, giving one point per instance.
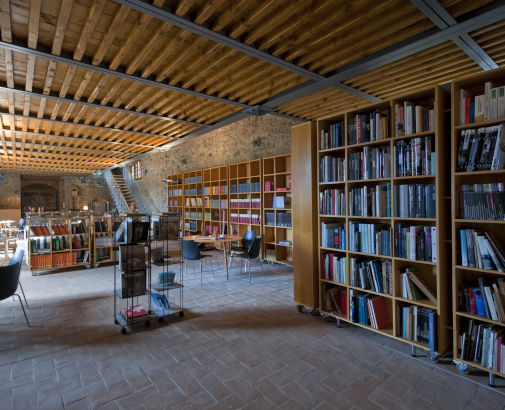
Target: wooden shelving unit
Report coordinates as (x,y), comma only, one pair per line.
(193,202)
(277,215)
(359,222)
(215,199)
(245,197)
(175,193)
(465,276)
(58,242)
(102,238)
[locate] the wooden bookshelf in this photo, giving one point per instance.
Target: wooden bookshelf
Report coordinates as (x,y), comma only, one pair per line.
(360,222)
(175,193)
(102,238)
(471,173)
(215,199)
(245,197)
(277,215)
(193,202)
(58,242)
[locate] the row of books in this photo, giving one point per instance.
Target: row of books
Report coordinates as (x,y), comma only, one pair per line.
(333,137)
(101,226)
(415,201)
(370,201)
(481,149)
(60,229)
(59,243)
(334,300)
(193,191)
(281,202)
(194,202)
(487,299)
(216,190)
(481,201)
(419,324)
(483,344)
(415,288)
(133,283)
(40,244)
(193,215)
(269,185)
(212,229)
(103,239)
(479,249)
(191,226)
(245,203)
(487,106)
(40,230)
(331,169)
(245,187)
(412,118)
(334,267)
(78,227)
(370,126)
(333,235)
(175,192)
(368,310)
(134,314)
(102,254)
(370,238)
(270,218)
(79,241)
(370,163)
(216,203)
(173,202)
(415,157)
(332,202)
(254,219)
(416,242)
(193,180)
(63,259)
(284,219)
(376,275)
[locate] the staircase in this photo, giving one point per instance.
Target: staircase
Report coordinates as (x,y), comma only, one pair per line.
(120,183)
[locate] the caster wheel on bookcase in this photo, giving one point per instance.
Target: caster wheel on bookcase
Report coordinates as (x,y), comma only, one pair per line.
(96,265)
(300,308)
(88,266)
(181,313)
(123,331)
(433,357)
(148,323)
(463,368)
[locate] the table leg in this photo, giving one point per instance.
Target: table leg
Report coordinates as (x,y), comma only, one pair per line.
(226,258)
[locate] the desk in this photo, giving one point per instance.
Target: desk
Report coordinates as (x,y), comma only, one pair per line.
(209,239)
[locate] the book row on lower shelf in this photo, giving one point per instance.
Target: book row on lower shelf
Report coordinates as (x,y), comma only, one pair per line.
(370,163)
(481,201)
(58,259)
(478,249)
(419,324)
(415,157)
(485,299)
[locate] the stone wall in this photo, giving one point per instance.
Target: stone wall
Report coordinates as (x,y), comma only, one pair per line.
(10,192)
(251,138)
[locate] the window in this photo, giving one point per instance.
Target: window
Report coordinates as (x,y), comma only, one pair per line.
(136,170)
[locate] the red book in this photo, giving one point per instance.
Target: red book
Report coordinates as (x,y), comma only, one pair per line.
(468,101)
(331,268)
(380,312)
(135,311)
(473,306)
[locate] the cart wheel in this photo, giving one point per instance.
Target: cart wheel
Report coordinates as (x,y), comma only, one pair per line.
(160,320)
(433,357)
(123,330)
(181,313)
(116,322)
(148,323)
(88,266)
(462,368)
(96,265)
(300,308)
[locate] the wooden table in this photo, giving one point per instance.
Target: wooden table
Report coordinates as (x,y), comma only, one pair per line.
(214,240)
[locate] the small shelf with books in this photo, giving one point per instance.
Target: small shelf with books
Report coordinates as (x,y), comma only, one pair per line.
(103,238)
(215,199)
(245,197)
(277,212)
(193,202)
(175,192)
(478,208)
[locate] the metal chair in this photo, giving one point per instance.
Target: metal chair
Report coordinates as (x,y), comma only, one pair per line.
(18,258)
(21,227)
(9,280)
(191,252)
(247,240)
(252,253)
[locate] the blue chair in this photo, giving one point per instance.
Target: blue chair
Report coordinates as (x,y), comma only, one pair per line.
(9,279)
(191,252)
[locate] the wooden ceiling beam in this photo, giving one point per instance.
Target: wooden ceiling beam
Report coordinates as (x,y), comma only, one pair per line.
(5,28)
(52,162)
(46,170)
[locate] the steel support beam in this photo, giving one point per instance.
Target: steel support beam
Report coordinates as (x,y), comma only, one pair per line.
(18,48)
(443,19)
(40,94)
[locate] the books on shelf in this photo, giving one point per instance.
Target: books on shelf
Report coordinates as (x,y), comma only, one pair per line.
(101,226)
(376,275)
(416,242)
(481,149)
(40,230)
(41,261)
(414,288)
(370,238)
(484,107)
(60,229)
(415,201)
(419,324)
(270,218)
(331,169)
(369,310)
(412,118)
(414,157)
(284,219)
(332,202)
(159,305)
(334,267)
(135,313)
(334,299)
(370,163)
(370,200)
(333,235)
(479,249)
(370,126)
(133,283)
(481,201)
(486,299)
(132,257)
(333,137)
(483,344)
(78,227)
(38,245)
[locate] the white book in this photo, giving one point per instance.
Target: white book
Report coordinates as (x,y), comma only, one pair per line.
(434,244)
(501,102)
(412,253)
(490,303)
(493,255)
(493,104)
(479,108)
(487,98)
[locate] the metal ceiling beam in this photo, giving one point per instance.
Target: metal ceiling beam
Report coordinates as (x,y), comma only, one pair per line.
(40,94)
(17,47)
(393,53)
(443,19)
(6,113)
(198,29)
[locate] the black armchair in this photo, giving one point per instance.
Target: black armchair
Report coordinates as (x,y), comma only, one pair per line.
(191,252)
(9,279)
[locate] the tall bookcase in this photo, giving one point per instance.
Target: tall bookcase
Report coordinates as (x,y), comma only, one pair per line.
(193,203)
(215,199)
(175,193)
(277,215)
(245,197)
(383,218)
(478,221)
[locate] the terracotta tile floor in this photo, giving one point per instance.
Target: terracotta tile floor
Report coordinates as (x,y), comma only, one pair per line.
(238,346)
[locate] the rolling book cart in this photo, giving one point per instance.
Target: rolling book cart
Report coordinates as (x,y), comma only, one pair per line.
(166,291)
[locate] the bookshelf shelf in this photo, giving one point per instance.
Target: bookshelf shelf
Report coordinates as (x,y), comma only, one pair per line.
(368,144)
(372,292)
(423,302)
(371,255)
(476,162)
(424,220)
(415,135)
(332,150)
(415,261)
(414,177)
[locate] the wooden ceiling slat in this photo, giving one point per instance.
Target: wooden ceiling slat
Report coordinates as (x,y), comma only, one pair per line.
(154,42)
(108,38)
(92,19)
